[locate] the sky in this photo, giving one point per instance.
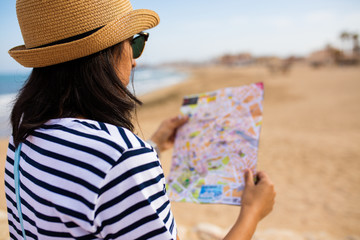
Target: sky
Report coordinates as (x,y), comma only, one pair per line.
(199,30)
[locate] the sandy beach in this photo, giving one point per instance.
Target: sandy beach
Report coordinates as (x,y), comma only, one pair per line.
(309,145)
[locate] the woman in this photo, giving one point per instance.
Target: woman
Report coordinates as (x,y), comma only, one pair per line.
(74,168)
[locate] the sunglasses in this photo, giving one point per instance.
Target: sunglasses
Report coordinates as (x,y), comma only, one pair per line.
(138,44)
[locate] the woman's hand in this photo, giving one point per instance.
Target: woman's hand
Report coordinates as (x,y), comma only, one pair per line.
(164,136)
(257,202)
(258,198)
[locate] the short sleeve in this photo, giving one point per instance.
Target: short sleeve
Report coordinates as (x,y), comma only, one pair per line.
(132,202)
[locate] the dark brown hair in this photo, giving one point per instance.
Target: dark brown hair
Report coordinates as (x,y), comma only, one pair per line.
(87,87)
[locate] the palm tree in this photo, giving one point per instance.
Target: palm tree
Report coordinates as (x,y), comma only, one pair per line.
(356,47)
(345,36)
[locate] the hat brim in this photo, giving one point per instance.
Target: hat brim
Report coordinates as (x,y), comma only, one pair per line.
(114,32)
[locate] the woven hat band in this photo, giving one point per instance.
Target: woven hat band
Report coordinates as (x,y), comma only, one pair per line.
(46,21)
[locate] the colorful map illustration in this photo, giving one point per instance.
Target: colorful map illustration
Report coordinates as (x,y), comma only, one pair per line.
(219,141)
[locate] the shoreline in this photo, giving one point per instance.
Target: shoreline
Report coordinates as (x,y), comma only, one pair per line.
(309,147)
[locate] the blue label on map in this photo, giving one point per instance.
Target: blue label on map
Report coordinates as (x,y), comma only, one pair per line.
(210,193)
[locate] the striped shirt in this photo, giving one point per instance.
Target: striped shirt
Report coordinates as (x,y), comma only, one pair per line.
(82,179)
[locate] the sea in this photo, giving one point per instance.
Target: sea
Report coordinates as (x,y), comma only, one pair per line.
(146,80)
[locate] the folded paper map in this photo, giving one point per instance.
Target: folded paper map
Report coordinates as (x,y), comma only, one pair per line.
(216,145)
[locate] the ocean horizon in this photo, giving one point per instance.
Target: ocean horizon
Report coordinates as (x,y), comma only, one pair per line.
(146,80)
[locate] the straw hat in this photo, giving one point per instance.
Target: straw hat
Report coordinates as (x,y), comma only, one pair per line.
(56,31)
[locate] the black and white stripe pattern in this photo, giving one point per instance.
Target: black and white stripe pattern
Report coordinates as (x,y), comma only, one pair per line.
(82,179)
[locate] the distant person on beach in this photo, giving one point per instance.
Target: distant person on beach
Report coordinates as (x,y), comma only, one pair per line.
(74,168)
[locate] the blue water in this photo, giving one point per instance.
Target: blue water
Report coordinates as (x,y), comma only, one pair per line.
(145,80)
(150,79)
(11,83)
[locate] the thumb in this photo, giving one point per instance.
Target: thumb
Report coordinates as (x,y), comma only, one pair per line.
(180,120)
(249,179)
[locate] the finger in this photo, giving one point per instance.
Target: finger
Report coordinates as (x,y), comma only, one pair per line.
(177,118)
(183,118)
(174,118)
(262,176)
(249,179)
(179,121)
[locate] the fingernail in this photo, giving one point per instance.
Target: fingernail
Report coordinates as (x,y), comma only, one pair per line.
(180,116)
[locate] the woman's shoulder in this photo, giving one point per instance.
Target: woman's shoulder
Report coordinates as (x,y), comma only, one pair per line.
(92,133)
